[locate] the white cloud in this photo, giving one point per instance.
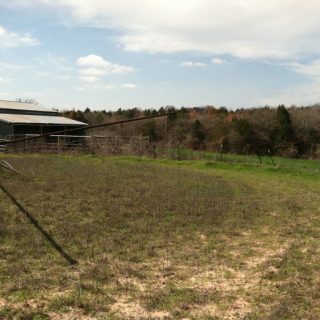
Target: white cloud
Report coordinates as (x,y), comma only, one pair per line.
(89,78)
(33,95)
(90,87)
(13,66)
(98,66)
(129,86)
(300,95)
(192,64)
(92,72)
(93,68)
(5,80)
(4,95)
(102,87)
(243,28)
(63,77)
(54,62)
(11,39)
(308,93)
(311,69)
(50,66)
(92,60)
(218,61)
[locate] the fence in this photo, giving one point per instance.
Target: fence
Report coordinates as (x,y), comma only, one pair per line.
(116,145)
(124,145)
(134,145)
(175,151)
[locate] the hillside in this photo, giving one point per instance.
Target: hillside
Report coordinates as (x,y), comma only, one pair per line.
(292,132)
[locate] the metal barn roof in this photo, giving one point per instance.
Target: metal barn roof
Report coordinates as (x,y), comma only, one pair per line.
(15,105)
(35,119)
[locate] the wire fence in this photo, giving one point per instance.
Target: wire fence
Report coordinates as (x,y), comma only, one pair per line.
(113,145)
(140,146)
(177,152)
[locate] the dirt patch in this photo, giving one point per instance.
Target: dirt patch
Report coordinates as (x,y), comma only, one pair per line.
(137,284)
(133,310)
(238,310)
(2,303)
(209,310)
(30,304)
(265,254)
(231,281)
(73,315)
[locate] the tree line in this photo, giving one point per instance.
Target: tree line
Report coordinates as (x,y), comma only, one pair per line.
(284,131)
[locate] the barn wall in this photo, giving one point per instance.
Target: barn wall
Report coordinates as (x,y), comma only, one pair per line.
(21,129)
(5,129)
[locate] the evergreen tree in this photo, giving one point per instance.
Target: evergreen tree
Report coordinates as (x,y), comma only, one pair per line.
(285,129)
(199,134)
(243,127)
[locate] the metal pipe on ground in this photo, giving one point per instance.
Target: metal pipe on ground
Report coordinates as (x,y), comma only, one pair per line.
(37,225)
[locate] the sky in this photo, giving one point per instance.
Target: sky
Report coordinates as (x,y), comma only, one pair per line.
(105,54)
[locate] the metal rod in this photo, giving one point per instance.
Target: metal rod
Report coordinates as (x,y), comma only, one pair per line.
(8,166)
(37,225)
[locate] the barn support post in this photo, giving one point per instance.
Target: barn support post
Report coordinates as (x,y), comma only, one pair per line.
(41,140)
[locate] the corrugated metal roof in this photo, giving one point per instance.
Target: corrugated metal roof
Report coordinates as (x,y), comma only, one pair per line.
(15,105)
(35,119)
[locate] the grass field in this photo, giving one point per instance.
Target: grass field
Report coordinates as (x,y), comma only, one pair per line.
(160,239)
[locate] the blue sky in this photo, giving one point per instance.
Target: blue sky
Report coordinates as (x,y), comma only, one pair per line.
(147,53)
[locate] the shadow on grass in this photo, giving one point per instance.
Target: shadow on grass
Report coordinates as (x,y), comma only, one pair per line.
(37,225)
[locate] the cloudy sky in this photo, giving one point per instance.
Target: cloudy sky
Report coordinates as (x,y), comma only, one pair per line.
(150,53)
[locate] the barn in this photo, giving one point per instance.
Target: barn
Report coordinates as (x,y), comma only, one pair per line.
(20,119)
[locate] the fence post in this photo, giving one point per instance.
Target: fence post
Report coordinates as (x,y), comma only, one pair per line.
(179,150)
(258,155)
(270,155)
(154,152)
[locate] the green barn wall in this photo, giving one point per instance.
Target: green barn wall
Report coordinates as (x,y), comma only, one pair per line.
(5,129)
